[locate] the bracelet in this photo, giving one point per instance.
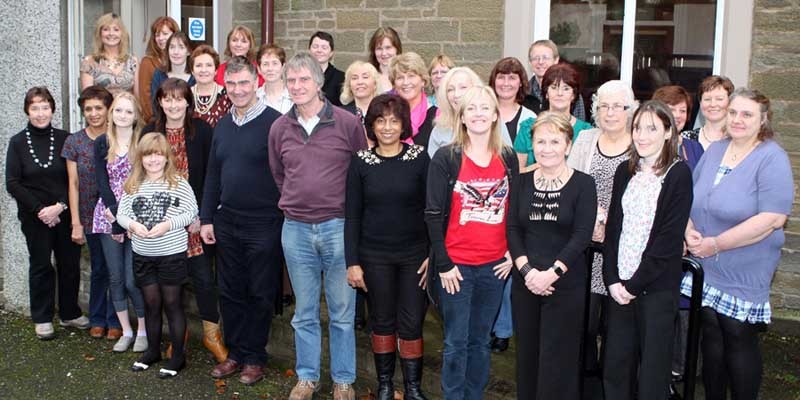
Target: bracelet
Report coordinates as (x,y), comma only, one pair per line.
(716,248)
(525,269)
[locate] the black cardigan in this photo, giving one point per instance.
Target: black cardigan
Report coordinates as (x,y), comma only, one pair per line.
(332,88)
(660,268)
(424,133)
(197,148)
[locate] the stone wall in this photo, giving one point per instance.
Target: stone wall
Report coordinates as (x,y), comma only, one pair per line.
(775,70)
(469,31)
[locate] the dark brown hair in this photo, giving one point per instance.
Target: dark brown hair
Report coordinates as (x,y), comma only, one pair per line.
(510,65)
(42,93)
(166,63)
(388,104)
(712,82)
(152,47)
(673,95)
(669,152)
(562,72)
(377,38)
(322,36)
(95,92)
(174,87)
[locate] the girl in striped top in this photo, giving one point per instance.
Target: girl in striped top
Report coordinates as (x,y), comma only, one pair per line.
(156,208)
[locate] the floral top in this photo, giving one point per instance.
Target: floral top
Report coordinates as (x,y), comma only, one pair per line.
(118,171)
(104,75)
(639,204)
(177,142)
(79,147)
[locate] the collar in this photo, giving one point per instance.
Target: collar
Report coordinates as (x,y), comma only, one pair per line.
(325,114)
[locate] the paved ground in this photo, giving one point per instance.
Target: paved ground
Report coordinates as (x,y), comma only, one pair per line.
(75,366)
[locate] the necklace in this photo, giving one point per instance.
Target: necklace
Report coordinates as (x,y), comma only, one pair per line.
(33,154)
(204,106)
(550,184)
(735,155)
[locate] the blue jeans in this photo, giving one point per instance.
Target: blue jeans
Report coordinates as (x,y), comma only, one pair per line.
(315,253)
(468,317)
(119,259)
(101,309)
(503,325)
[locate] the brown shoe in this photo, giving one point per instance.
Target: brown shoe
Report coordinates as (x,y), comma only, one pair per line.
(343,391)
(225,369)
(251,374)
(304,390)
(114,333)
(97,332)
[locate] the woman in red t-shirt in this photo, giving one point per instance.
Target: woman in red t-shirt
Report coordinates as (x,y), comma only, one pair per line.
(467,202)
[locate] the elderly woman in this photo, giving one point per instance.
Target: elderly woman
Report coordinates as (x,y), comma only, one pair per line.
(561,86)
(510,83)
(386,241)
(174,65)
(680,103)
(743,191)
(161,29)
(714,93)
(241,42)
(211,101)
(550,222)
(598,152)
(110,65)
(409,78)
(467,203)
(437,69)
(270,65)
(383,47)
(360,87)
(36,177)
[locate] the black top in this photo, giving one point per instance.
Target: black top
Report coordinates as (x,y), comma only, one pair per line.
(385,205)
(424,132)
(238,177)
(353,109)
(32,186)
(334,79)
(660,268)
(198,145)
(553,225)
(512,125)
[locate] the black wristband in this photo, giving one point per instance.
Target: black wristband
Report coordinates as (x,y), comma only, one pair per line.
(525,269)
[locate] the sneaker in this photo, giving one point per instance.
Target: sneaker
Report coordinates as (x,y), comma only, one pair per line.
(45,331)
(123,344)
(81,323)
(343,391)
(304,390)
(140,345)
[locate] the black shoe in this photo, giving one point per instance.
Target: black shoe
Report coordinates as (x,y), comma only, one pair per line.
(384,366)
(412,378)
(499,345)
(145,361)
(170,370)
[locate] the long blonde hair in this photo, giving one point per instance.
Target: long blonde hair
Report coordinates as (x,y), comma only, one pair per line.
(152,143)
(111,132)
(461,137)
(97,42)
(447,115)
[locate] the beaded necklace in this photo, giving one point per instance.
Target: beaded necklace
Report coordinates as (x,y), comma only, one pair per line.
(33,154)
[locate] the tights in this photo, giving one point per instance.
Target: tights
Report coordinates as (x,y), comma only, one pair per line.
(169,296)
(731,357)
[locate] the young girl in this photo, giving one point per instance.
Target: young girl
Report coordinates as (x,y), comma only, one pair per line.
(649,210)
(156,208)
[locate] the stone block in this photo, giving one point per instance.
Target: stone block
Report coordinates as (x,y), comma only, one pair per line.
(430,13)
(401,14)
(366,20)
(483,69)
(786,20)
(789,135)
(282,5)
(417,3)
(474,53)
(326,25)
(762,4)
(786,283)
(343,60)
(777,85)
(338,4)
(482,31)
(786,111)
(471,8)
(324,15)
(381,3)
(398,24)
(433,31)
(304,5)
(247,10)
(280,28)
(310,24)
(296,24)
(350,42)
(425,50)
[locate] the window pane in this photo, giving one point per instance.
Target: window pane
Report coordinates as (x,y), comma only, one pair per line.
(589,36)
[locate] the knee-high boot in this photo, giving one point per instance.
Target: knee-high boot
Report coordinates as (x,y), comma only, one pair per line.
(411,362)
(383,347)
(212,340)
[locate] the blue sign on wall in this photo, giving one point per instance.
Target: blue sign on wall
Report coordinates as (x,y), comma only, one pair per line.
(197,29)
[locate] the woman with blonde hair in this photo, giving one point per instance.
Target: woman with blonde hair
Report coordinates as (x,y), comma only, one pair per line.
(360,87)
(437,69)
(110,65)
(161,29)
(467,197)
(241,42)
(112,153)
(409,76)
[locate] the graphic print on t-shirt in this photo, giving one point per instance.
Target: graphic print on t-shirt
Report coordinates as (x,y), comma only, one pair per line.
(482,200)
(151,211)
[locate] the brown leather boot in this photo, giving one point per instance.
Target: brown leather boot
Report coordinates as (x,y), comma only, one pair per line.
(212,339)
(168,353)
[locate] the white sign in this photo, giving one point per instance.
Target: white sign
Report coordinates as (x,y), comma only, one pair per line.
(197,29)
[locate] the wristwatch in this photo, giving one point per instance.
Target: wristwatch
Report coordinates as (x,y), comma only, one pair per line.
(558,270)
(64,207)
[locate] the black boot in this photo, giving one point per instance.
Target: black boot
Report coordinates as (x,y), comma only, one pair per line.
(411,362)
(384,366)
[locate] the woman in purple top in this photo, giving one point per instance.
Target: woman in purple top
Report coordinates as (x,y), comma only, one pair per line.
(78,151)
(743,193)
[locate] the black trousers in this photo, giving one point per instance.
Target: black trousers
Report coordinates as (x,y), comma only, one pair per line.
(639,344)
(249,274)
(203,284)
(42,243)
(396,302)
(596,326)
(549,332)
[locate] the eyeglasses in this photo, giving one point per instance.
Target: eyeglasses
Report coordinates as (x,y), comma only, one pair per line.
(540,58)
(616,107)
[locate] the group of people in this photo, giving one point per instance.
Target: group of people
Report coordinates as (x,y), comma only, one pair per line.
(413,183)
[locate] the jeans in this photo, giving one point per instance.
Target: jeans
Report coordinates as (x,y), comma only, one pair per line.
(119,259)
(503,325)
(249,273)
(101,309)
(315,253)
(468,317)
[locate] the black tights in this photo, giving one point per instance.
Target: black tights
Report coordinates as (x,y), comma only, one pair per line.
(731,357)
(169,296)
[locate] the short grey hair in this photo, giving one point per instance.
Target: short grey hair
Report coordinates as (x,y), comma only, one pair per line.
(238,64)
(615,87)
(304,60)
